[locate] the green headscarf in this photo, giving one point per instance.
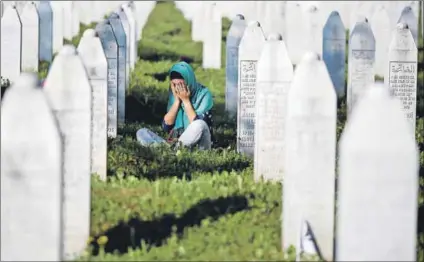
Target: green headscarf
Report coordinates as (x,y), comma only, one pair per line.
(200,97)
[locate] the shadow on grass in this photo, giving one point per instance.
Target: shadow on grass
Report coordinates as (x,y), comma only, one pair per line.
(155,233)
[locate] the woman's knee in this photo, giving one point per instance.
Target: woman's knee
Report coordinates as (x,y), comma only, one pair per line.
(200,125)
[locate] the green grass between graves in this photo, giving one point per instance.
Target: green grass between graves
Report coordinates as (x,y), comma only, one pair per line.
(159,205)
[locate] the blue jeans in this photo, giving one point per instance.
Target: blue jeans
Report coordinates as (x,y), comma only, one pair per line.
(196,134)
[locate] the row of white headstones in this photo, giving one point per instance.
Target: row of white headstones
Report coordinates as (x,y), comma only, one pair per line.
(34,31)
(287,122)
(54,137)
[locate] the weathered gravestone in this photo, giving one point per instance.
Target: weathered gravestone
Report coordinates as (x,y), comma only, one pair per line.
(401,74)
(250,49)
(334,51)
(69,93)
(11,44)
(45,13)
(133,31)
(125,24)
(381,28)
(377,183)
(360,62)
(110,48)
(275,73)
(58,13)
(30,45)
(197,23)
(294,31)
(121,40)
(91,52)
(31,175)
(233,41)
(407,16)
(312,30)
(212,39)
(310,156)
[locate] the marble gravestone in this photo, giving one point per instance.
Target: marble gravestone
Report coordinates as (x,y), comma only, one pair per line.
(91,52)
(197,22)
(58,22)
(250,49)
(30,45)
(69,93)
(31,193)
(67,19)
(407,16)
(212,39)
(294,31)
(118,31)
(133,31)
(231,69)
(377,151)
(334,51)
(402,71)
(110,48)
(361,60)
(11,44)
(45,13)
(125,24)
(313,29)
(274,76)
(380,25)
(310,155)
(75,22)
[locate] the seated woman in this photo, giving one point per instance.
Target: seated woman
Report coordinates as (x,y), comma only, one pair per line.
(188,119)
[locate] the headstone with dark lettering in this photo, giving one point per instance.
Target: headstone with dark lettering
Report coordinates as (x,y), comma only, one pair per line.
(379,155)
(11,44)
(310,156)
(334,51)
(45,13)
(408,17)
(401,74)
(360,62)
(31,175)
(274,77)
(233,41)
(250,49)
(69,93)
(30,45)
(110,48)
(121,40)
(381,28)
(91,52)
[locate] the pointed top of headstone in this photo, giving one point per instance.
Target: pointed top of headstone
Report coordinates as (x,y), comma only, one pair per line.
(312,8)
(68,50)
(89,32)
(311,56)
(402,25)
(254,24)
(275,37)
(240,17)
(113,15)
(334,13)
(26,80)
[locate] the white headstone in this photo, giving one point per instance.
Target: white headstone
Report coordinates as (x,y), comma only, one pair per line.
(310,155)
(30,34)
(313,29)
(85,10)
(250,49)
(380,25)
(275,73)
(75,22)
(360,62)
(197,21)
(274,17)
(294,31)
(212,38)
(402,71)
(69,92)
(133,32)
(334,51)
(407,16)
(67,19)
(58,23)
(31,175)
(91,52)
(233,41)
(377,183)
(11,44)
